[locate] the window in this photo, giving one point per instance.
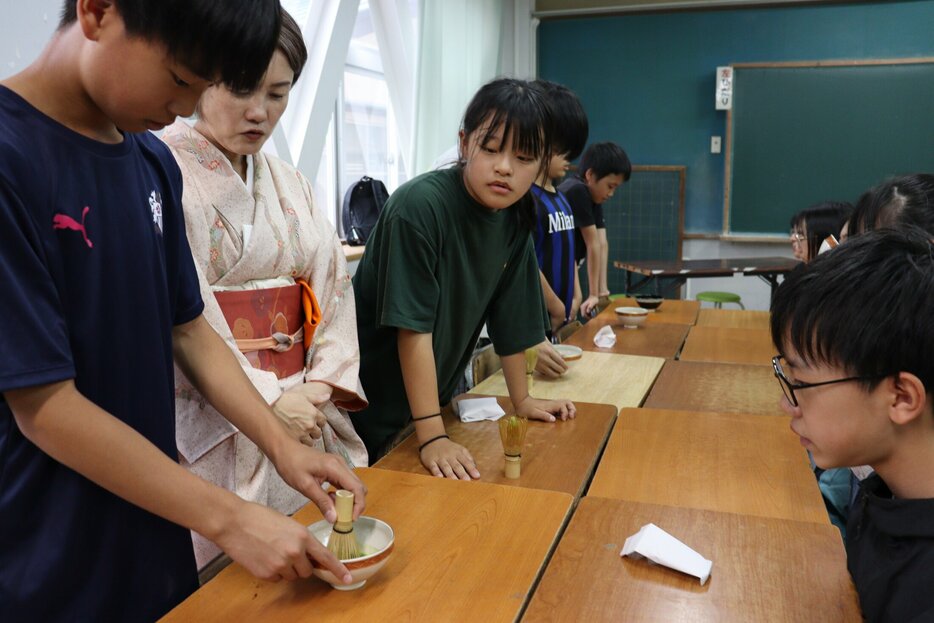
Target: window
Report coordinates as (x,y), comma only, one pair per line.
(364,141)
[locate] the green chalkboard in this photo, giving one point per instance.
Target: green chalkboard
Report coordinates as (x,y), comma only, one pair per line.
(804,134)
(644,221)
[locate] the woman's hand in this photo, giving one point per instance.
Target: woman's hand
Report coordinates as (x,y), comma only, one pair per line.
(298,410)
(446,459)
(550,363)
(546,410)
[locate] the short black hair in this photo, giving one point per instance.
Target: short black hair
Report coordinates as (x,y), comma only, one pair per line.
(232,41)
(570,128)
(866,307)
(605,159)
(522,109)
(292,45)
(821,220)
(908,199)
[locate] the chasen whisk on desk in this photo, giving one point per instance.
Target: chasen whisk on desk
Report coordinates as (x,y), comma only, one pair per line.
(512,429)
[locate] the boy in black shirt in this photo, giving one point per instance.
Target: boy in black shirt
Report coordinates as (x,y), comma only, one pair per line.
(603,168)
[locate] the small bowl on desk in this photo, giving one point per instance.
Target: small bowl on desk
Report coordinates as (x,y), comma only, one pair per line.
(649,302)
(569,352)
(632,317)
(376,540)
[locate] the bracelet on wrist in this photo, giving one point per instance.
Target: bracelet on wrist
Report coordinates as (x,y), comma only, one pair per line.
(425,417)
(430,441)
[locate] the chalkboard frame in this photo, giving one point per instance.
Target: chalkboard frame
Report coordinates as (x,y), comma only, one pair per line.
(728,159)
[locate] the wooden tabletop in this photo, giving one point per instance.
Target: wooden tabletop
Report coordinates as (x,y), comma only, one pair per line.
(728,345)
(733,318)
(763,569)
(727,462)
(720,387)
(463,551)
(672,311)
(619,380)
(650,340)
(557,457)
(710,268)
(352,253)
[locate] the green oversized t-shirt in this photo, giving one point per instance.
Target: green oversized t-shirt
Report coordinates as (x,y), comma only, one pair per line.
(439,262)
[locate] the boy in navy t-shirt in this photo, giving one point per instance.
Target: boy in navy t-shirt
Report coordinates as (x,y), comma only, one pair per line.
(554,231)
(603,168)
(854,334)
(100,292)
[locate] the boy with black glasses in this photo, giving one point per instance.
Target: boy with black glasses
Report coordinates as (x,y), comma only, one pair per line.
(855,333)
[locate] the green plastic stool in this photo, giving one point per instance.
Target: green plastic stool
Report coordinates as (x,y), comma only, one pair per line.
(719,298)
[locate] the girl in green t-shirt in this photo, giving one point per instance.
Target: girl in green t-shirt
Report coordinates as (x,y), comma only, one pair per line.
(451,252)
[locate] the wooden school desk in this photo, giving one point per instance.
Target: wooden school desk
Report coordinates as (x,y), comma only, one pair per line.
(766,268)
(557,457)
(733,318)
(603,378)
(463,551)
(672,311)
(720,387)
(753,346)
(763,569)
(650,340)
(727,462)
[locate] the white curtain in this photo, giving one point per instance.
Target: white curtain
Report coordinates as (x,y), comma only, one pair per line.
(397,44)
(459,51)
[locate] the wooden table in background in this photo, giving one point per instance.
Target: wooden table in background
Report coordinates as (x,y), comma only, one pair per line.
(679,271)
(463,551)
(557,457)
(726,462)
(725,345)
(763,569)
(650,340)
(603,378)
(719,387)
(733,318)
(672,311)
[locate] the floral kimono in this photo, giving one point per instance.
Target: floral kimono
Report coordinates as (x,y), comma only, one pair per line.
(267,236)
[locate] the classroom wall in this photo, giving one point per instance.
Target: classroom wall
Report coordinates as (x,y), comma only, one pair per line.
(24,31)
(647,80)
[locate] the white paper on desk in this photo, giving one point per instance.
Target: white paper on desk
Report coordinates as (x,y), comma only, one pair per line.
(477,409)
(661,548)
(605,338)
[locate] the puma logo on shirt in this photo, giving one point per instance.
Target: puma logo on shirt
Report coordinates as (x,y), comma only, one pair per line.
(63,221)
(559,221)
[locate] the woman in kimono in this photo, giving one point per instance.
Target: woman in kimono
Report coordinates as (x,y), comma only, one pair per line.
(275,287)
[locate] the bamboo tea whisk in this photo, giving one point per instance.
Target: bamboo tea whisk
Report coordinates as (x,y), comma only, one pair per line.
(343,542)
(531,359)
(512,430)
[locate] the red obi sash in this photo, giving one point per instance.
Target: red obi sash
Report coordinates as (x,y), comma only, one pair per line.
(273,327)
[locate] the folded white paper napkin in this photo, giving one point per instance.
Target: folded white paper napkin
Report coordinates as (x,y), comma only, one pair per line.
(477,409)
(661,548)
(605,338)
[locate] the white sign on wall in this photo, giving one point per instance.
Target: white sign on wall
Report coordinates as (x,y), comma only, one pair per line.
(724,88)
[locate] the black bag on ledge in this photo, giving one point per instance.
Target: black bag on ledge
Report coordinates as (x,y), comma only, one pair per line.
(362,204)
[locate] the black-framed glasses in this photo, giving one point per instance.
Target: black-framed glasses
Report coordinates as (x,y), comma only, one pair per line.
(789,387)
